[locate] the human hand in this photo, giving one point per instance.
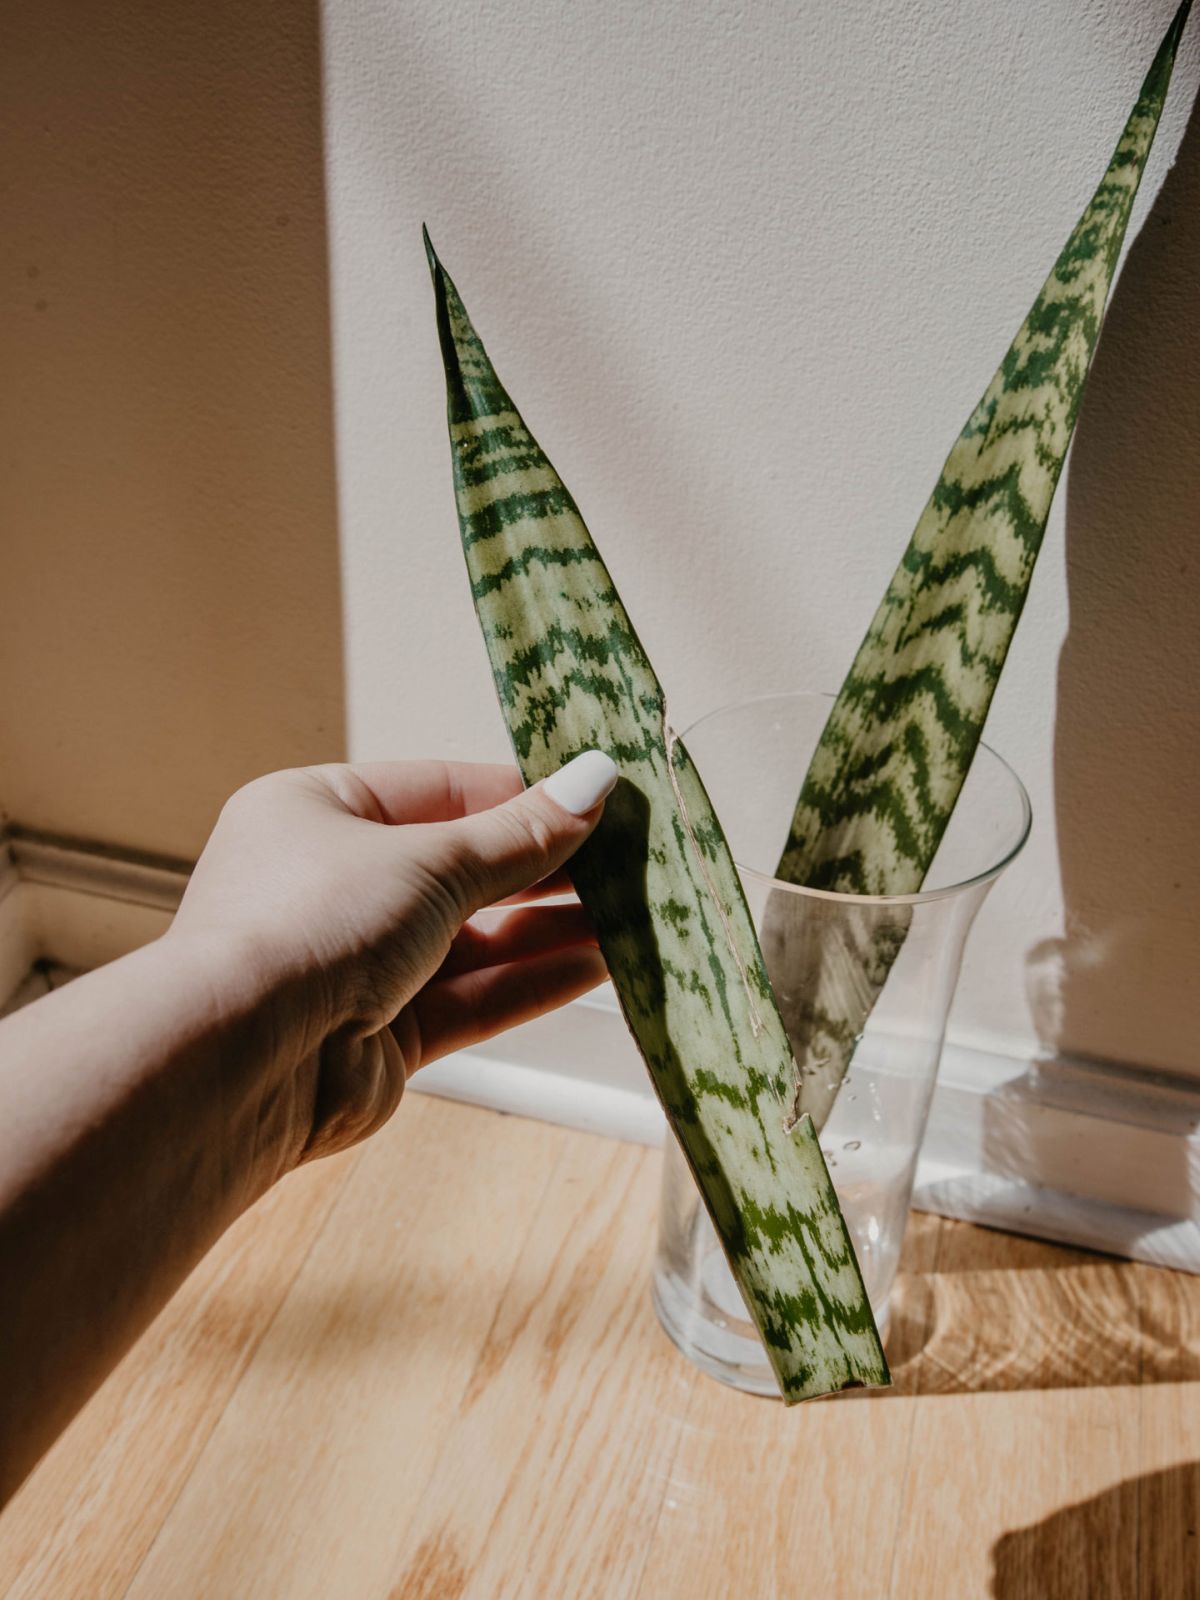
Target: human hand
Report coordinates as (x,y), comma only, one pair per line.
(340,897)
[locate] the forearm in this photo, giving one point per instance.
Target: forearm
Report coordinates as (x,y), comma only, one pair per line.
(142,1109)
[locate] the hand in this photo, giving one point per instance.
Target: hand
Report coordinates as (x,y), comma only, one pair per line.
(322,953)
(342,894)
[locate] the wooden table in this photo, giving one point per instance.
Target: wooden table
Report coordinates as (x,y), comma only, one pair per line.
(429,1370)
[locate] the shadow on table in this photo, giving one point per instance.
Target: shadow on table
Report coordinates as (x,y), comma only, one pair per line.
(1139,1537)
(989,1312)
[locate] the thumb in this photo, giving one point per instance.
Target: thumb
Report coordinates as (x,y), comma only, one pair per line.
(495,853)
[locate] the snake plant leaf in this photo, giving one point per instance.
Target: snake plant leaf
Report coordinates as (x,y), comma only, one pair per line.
(658,880)
(903,730)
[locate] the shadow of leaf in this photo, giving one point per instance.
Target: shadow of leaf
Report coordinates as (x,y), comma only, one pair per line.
(1139,1537)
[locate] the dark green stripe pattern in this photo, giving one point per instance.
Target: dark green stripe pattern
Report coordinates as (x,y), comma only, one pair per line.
(658,881)
(903,731)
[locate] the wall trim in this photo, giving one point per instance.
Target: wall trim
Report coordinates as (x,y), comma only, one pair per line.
(1081,1152)
(84,867)
(78,903)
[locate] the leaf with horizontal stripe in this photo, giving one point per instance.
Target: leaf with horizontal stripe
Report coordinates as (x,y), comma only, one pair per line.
(658,880)
(903,730)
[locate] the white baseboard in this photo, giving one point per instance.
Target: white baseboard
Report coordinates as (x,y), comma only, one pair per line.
(1080,1152)
(1101,1156)
(549,1096)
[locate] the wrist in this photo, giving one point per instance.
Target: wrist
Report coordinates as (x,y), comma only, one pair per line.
(247,985)
(250,1030)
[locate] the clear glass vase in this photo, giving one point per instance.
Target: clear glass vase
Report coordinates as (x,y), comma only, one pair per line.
(753,756)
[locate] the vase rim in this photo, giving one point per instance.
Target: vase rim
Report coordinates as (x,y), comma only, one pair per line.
(977,880)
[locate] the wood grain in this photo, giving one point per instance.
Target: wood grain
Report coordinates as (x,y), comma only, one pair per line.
(309,1483)
(430,1372)
(751,1482)
(84,1521)
(991,1495)
(1169,1434)
(1026,1440)
(1011,1313)
(558,1460)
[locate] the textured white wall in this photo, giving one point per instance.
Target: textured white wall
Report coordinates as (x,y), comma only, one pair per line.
(746,269)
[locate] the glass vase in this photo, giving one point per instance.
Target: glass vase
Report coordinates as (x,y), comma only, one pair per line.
(753,756)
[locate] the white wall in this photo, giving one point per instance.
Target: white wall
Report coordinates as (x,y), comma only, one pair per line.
(746,269)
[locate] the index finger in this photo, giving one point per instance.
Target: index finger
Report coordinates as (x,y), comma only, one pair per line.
(436,791)
(556,886)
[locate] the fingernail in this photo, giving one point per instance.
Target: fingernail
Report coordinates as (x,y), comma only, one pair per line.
(583,782)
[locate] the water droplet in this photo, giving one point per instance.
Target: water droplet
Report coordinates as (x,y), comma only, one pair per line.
(852,1144)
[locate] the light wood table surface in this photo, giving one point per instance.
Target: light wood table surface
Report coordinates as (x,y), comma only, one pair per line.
(429,1370)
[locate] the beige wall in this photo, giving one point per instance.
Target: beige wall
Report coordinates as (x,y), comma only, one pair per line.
(169,596)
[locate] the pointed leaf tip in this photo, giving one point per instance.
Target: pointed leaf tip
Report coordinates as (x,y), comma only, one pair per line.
(430,252)
(1167,50)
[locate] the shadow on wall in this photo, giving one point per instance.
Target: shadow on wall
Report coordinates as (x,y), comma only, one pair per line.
(1139,1537)
(170,619)
(1121,984)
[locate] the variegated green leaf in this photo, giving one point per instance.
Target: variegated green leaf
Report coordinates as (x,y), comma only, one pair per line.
(657,879)
(904,728)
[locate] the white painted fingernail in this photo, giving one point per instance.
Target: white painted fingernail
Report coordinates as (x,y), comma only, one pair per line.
(583,782)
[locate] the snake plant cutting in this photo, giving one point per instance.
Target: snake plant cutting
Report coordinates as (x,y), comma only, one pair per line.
(904,728)
(657,876)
